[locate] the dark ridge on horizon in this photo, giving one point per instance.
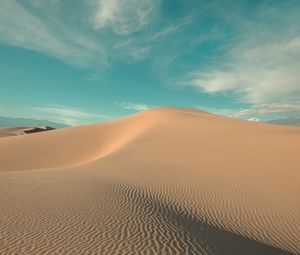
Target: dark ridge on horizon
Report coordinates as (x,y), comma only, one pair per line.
(290,121)
(9,122)
(17,131)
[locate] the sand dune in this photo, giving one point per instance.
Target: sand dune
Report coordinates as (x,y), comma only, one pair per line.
(163,181)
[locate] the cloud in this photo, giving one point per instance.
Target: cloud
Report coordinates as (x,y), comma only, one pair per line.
(98,33)
(262,61)
(44,27)
(69,116)
(180,56)
(218,111)
(159,40)
(135,106)
(171,28)
(132,50)
(267,111)
(258,112)
(38,27)
(253,119)
(124,16)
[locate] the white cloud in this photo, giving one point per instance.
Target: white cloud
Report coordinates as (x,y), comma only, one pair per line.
(69,116)
(268,76)
(189,44)
(43,26)
(259,112)
(244,113)
(100,33)
(124,16)
(262,63)
(171,28)
(253,119)
(132,50)
(21,25)
(135,106)
(218,111)
(265,110)
(143,45)
(140,53)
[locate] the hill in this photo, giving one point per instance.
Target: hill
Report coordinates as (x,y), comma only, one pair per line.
(22,122)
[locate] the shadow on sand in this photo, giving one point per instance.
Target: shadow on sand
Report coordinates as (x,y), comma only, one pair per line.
(199,236)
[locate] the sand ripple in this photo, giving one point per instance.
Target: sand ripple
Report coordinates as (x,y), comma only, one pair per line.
(105,216)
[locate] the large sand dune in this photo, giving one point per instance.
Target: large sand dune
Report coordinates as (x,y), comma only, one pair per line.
(163,181)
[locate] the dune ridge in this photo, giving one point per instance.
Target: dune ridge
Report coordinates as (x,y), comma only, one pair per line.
(162,181)
(70,146)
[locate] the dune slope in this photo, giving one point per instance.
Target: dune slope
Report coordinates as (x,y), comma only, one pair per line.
(163,181)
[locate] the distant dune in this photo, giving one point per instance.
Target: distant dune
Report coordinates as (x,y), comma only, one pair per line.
(4,132)
(162,181)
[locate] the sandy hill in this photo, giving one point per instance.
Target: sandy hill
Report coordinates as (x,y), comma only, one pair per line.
(162,181)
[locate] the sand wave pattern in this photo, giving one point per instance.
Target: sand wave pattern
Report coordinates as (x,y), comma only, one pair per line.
(116,219)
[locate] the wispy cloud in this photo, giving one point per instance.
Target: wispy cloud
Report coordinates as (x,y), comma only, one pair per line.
(21,25)
(219,111)
(261,64)
(134,106)
(132,50)
(124,16)
(171,28)
(100,33)
(69,116)
(253,119)
(86,39)
(258,112)
(268,110)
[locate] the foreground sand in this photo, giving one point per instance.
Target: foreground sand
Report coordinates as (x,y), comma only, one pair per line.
(163,181)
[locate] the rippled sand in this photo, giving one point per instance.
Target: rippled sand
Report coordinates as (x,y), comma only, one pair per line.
(164,181)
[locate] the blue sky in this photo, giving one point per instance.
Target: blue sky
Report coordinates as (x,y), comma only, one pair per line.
(86,61)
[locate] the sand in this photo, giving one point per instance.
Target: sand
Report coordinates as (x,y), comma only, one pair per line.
(162,181)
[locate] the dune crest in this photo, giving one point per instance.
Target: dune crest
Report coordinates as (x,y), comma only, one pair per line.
(70,146)
(162,181)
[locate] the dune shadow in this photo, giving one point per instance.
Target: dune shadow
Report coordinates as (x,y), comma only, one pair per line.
(203,238)
(216,240)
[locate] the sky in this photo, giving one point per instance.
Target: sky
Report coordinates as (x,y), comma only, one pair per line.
(85,61)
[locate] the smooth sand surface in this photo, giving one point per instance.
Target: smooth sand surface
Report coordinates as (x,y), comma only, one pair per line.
(163,181)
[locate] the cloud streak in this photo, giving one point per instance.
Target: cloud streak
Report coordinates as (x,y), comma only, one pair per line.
(21,25)
(261,64)
(124,16)
(69,116)
(84,41)
(268,110)
(135,106)
(259,112)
